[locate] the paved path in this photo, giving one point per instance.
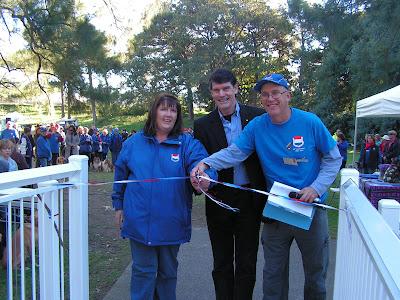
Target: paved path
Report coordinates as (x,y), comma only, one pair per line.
(195,266)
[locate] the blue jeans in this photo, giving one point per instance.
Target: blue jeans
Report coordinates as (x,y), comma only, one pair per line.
(114,156)
(43,161)
(154,271)
(277,237)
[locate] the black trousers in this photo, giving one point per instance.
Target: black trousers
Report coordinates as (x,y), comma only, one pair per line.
(234,241)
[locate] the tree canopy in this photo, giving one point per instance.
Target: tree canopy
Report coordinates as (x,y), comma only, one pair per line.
(332,54)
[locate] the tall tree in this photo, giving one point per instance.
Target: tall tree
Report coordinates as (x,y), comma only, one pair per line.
(189,38)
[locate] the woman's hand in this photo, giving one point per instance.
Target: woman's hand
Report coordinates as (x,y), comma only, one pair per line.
(119,218)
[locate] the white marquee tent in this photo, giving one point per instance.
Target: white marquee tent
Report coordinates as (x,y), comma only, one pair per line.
(385,104)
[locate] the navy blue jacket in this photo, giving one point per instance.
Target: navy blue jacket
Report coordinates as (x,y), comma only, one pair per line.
(85,145)
(116,142)
(157,212)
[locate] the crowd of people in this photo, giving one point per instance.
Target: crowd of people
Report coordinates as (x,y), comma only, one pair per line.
(377,150)
(42,145)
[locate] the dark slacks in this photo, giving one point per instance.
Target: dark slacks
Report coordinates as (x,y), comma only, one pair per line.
(234,240)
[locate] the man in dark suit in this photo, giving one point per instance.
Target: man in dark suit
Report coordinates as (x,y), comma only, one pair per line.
(234,236)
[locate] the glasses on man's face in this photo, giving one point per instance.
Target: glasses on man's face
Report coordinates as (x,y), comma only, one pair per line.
(274,94)
(391,133)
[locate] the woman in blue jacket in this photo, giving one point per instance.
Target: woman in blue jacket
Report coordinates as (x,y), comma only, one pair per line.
(105,143)
(85,143)
(43,148)
(156,215)
(343,145)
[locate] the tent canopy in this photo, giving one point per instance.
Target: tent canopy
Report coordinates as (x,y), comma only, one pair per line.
(385,104)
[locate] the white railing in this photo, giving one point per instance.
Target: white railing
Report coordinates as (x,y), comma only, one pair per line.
(62,265)
(367,257)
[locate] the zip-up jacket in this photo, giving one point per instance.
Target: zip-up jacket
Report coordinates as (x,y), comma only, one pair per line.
(157,212)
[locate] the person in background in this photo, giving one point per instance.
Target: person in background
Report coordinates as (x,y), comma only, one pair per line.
(384,141)
(9,132)
(105,142)
(190,131)
(124,135)
(62,142)
(343,145)
(91,130)
(18,157)
(334,136)
(26,148)
(86,144)
(115,145)
(72,142)
(15,128)
(234,236)
(156,216)
(377,139)
(392,148)
(36,137)
(54,139)
(43,148)
(97,143)
(370,156)
(133,131)
(6,148)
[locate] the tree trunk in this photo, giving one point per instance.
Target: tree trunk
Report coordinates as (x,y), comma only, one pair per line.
(254,91)
(62,100)
(190,101)
(92,101)
(69,98)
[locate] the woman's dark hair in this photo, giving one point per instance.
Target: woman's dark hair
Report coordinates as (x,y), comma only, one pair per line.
(341,136)
(150,128)
(222,76)
(73,128)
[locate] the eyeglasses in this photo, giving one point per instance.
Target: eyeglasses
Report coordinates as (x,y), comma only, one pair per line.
(274,94)
(391,134)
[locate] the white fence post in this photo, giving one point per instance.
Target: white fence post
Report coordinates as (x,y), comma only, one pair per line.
(345,174)
(78,231)
(390,211)
(49,254)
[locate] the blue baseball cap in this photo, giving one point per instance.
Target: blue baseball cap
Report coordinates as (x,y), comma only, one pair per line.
(96,129)
(275,78)
(43,129)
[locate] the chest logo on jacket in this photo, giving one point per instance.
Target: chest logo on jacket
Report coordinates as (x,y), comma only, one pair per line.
(175,157)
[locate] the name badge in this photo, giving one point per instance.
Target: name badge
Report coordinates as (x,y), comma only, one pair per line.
(290,161)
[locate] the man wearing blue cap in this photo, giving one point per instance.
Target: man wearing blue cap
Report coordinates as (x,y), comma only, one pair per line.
(296,149)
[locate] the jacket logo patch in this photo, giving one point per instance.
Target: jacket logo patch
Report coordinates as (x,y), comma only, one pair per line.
(175,157)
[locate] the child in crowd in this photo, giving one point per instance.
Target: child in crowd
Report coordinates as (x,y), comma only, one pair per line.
(6,148)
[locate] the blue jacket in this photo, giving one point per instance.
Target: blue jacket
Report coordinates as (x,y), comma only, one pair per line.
(157,212)
(106,142)
(43,148)
(54,141)
(343,146)
(115,142)
(96,142)
(9,133)
(85,146)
